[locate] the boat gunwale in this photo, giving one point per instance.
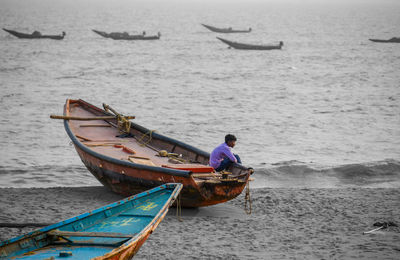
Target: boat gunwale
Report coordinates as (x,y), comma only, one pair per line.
(167,203)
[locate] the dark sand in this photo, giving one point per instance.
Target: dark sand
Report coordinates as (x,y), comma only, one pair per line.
(285,223)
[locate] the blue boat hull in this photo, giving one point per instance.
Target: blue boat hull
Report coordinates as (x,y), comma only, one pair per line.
(115,231)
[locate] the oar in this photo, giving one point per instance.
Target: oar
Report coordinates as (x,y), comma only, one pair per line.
(87,118)
(107,107)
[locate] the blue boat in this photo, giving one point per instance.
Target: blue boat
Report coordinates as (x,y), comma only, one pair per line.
(115,231)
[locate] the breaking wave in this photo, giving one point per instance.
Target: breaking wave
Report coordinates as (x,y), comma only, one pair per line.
(381,174)
(289,174)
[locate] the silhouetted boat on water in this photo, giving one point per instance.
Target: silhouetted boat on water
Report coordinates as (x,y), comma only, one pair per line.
(127,36)
(245,46)
(394,39)
(225,30)
(35,35)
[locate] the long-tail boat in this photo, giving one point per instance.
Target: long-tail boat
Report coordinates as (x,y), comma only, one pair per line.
(225,30)
(35,35)
(115,231)
(394,39)
(245,46)
(129,158)
(127,36)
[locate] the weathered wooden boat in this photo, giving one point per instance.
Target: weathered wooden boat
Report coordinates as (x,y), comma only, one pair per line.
(245,46)
(126,36)
(115,231)
(128,158)
(394,39)
(225,30)
(35,35)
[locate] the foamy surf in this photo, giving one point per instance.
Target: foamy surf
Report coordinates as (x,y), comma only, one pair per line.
(294,174)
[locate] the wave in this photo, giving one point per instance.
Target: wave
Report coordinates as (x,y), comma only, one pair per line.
(40,169)
(288,174)
(380,174)
(46,176)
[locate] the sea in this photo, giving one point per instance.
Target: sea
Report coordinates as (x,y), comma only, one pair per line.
(324,111)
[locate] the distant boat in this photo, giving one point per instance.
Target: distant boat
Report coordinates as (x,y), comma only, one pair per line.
(35,35)
(394,39)
(244,46)
(225,30)
(126,36)
(115,231)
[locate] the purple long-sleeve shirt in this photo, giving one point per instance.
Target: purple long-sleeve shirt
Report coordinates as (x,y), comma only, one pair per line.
(219,154)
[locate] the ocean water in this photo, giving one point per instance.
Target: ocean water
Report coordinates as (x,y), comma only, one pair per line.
(322,112)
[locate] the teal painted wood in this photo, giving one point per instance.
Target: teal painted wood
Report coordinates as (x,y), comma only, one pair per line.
(131,216)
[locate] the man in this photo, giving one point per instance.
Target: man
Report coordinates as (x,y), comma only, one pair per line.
(222,157)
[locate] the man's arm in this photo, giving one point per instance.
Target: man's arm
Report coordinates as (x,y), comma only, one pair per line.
(228,153)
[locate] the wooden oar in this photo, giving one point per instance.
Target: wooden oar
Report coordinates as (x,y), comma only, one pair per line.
(107,107)
(87,118)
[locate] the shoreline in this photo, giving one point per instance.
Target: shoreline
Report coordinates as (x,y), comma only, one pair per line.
(286,223)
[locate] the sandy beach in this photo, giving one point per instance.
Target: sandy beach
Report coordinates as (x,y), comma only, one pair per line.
(286,223)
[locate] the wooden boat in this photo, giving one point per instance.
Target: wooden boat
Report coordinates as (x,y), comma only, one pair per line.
(139,159)
(35,35)
(126,36)
(245,46)
(394,39)
(225,30)
(115,231)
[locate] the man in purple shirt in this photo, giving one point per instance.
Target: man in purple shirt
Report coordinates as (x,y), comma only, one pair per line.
(222,157)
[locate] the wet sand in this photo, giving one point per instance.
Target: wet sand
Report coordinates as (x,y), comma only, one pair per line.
(285,223)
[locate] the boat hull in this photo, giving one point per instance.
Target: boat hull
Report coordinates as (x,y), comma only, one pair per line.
(224,30)
(243,46)
(30,36)
(126,181)
(393,40)
(126,178)
(121,36)
(115,231)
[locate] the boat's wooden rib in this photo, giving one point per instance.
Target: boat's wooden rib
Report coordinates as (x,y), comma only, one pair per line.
(35,35)
(115,231)
(117,168)
(225,30)
(245,46)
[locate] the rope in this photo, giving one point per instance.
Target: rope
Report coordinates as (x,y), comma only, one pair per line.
(247,199)
(179,208)
(150,133)
(124,125)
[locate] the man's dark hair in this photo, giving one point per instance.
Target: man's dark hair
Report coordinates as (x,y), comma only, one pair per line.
(229,137)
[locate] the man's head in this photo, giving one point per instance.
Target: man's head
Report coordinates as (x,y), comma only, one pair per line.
(230,140)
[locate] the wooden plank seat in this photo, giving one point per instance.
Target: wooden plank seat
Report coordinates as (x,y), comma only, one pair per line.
(65,234)
(141,160)
(198,168)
